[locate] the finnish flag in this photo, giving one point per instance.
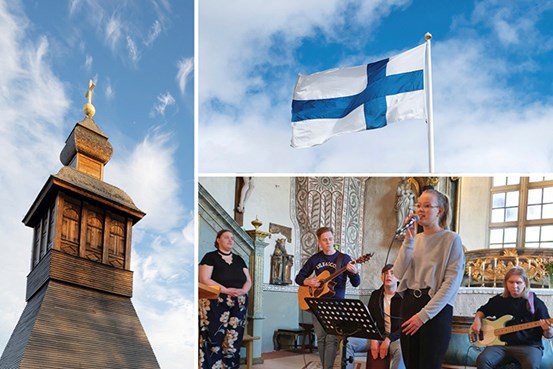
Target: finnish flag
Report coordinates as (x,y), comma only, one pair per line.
(344,100)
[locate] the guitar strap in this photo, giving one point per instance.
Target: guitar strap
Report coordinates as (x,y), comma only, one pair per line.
(339,261)
(531,307)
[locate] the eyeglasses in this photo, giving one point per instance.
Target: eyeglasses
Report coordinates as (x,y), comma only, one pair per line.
(425,206)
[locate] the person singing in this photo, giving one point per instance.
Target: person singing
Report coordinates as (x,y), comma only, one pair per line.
(430,267)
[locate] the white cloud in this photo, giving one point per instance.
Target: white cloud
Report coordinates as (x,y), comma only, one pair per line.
(162,258)
(113,32)
(134,54)
(33,104)
(185,68)
(73,6)
(109,91)
(513,25)
(120,31)
(163,101)
(88,63)
(231,36)
(148,174)
(162,279)
(155,30)
(481,124)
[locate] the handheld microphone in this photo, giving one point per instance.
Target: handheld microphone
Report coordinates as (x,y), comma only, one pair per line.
(411,221)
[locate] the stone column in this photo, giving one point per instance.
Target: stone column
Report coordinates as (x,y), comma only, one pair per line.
(256,295)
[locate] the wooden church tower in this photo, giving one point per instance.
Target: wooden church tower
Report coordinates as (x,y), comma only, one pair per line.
(79,312)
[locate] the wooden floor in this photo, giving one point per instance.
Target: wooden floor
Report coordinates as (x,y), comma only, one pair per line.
(293,360)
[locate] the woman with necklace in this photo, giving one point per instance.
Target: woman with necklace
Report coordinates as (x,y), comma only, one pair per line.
(430,267)
(222,320)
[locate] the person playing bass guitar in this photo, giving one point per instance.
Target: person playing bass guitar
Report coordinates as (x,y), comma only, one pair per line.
(330,260)
(522,345)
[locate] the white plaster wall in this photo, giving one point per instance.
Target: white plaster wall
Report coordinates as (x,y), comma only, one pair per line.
(379,227)
(270,203)
(474,211)
(222,190)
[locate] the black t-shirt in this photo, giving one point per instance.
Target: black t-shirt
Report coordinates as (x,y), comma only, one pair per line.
(518,307)
(229,275)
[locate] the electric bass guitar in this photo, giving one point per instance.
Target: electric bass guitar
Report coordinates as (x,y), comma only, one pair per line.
(492,330)
(326,288)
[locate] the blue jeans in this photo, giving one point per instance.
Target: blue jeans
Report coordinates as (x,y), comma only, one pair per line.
(356,344)
(529,357)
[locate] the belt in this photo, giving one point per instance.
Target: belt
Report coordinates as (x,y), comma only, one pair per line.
(418,293)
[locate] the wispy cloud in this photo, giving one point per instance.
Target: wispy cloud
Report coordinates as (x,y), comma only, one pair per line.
(134,54)
(73,6)
(33,128)
(185,68)
(155,30)
(33,104)
(113,32)
(88,63)
(149,175)
(163,101)
(163,256)
(109,91)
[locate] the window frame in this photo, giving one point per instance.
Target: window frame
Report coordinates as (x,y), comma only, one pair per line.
(523,187)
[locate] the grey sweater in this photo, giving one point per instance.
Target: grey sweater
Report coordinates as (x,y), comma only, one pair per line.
(436,261)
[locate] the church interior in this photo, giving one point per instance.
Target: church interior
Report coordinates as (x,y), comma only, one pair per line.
(503,221)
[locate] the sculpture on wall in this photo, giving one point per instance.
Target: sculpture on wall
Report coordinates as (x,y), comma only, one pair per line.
(281,264)
(405,202)
(245,192)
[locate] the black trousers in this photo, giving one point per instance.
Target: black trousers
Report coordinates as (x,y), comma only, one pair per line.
(427,347)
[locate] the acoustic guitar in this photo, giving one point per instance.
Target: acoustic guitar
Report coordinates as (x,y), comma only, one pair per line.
(492,330)
(326,288)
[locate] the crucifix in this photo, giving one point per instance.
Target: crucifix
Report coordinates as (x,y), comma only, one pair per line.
(88,94)
(89,109)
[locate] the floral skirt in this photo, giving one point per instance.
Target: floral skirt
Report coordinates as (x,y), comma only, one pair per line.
(222,322)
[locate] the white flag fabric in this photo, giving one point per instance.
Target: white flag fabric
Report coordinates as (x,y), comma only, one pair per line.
(344,100)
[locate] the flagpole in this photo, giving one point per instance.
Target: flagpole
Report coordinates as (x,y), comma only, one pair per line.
(429,108)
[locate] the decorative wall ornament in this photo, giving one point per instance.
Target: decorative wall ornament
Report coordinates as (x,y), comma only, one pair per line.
(334,202)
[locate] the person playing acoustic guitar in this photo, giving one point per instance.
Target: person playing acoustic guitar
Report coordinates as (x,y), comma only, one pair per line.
(523,345)
(330,260)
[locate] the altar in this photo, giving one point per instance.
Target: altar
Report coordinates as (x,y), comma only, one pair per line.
(471,298)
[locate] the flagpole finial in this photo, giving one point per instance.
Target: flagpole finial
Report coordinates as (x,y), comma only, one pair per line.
(428,36)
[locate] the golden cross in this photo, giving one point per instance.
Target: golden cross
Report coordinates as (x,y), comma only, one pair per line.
(88,94)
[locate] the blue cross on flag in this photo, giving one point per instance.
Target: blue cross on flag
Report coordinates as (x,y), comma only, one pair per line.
(344,100)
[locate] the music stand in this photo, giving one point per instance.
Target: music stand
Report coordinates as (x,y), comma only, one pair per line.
(346,318)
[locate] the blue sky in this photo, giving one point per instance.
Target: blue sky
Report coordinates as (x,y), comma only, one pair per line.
(492,83)
(141,57)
